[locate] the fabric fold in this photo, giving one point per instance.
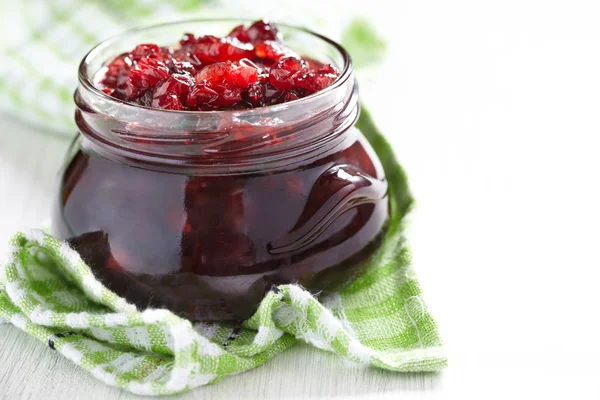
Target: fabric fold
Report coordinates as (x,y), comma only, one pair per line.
(378,319)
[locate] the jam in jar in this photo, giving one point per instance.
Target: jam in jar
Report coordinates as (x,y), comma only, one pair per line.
(201,211)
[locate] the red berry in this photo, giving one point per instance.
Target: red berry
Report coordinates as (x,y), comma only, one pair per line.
(261,31)
(213,73)
(229,95)
(239,32)
(318,80)
(242,76)
(169,101)
(271,50)
(176,87)
(202,97)
(148,73)
(145,50)
(119,66)
(283,75)
(210,49)
(181,67)
(145,99)
(292,64)
(224,79)
(187,39)
(187,57)
(290,96)
(254,94)
(263,93)
(314,82)
(248,68)
(329,69)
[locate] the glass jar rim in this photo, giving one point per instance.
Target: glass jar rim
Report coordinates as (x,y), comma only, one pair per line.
(230,140)
(86,79)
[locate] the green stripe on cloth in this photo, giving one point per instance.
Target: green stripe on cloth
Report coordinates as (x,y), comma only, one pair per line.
(379,319)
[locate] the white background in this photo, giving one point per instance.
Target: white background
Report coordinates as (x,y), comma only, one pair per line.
(493,108)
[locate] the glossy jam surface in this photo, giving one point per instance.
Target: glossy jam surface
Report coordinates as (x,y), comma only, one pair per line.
(209,247)
(248,68)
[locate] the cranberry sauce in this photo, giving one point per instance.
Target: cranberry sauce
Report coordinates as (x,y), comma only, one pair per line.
(192,187)
(209,247)
(248,68)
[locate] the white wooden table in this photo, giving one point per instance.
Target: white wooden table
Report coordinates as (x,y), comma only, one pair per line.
(493,110)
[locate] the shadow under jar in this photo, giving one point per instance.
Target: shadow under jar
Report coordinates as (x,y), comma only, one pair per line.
(203,212)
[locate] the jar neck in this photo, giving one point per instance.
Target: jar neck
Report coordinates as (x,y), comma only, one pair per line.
(217,141)
(221,141)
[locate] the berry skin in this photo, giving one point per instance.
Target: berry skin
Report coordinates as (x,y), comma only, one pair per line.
(285,73)
(148,73)
(271,50)
(119,67)
(145,51)
(242,76)
(239,32)
(261,31)
(316,81)
(185,61)
(170,92)
(168,101)
(210,49)
(202,97)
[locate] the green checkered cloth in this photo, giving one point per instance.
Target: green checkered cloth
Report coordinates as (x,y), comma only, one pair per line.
(379,319)
(46,290)
(42,43)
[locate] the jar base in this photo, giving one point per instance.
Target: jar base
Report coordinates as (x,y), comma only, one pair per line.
(213,298)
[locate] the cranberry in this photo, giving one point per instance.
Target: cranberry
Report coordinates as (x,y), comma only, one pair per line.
(319,80)
(210,49)
(168,101)
(229,95)
(181,67)
(145,51)
(263,93)
(271,95)
(119,66)
(179,84)
(283,75)
(213,73)
(262,30)
(271,50)
(290,96)
(257,32)
(242,76)
(169,93)
(248,68)
(148,73)
(185,56)
(254,94)
(239,32)
(187,39)
(202,97)
(145,99)
(226,80)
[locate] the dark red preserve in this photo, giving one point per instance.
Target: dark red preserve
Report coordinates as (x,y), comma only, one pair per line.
(202,209)
(250,67)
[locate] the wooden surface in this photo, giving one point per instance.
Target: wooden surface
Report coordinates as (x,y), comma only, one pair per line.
(292,374)
(493,110)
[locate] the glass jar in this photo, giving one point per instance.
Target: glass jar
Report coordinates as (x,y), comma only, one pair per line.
(203,212)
